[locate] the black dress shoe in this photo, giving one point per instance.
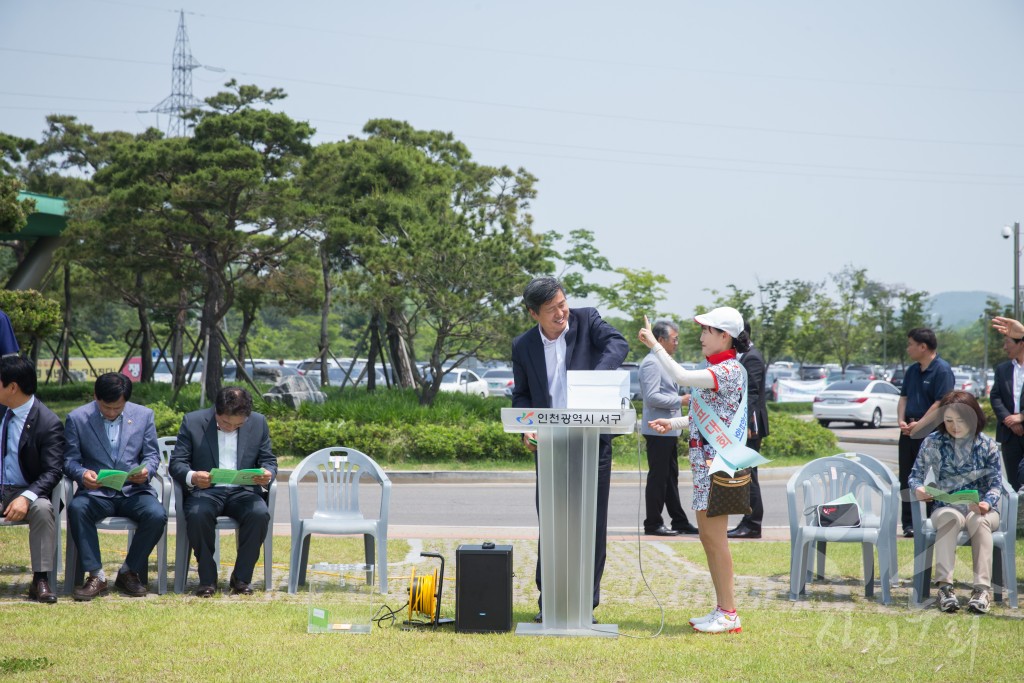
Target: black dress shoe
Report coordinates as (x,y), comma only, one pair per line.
(239,587)
(662,531)
(538,617)
(743,532)
(128,583)
(908,532)
(92,588)
(688,529)
(40,592)
(206,591)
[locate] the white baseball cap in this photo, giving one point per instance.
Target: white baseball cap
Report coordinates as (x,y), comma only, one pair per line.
(725,318)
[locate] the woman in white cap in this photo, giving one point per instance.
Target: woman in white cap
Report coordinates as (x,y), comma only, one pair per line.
(721,386)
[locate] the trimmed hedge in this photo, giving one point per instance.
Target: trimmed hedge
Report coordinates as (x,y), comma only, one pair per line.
(794,437)
(392,428)
(398,443)
(793,408)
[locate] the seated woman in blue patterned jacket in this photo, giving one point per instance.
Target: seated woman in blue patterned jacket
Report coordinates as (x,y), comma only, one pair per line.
(959,457)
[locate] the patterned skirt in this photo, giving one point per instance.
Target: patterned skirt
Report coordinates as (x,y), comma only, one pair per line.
(701,478)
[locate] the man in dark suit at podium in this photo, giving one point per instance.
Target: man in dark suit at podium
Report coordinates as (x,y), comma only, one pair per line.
(565,339)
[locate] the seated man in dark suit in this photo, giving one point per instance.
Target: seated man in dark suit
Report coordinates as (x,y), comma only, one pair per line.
(112,434)
(228,436)
(32,443)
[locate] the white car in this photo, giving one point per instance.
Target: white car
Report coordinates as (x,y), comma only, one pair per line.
(464,382)
(498,380)
(861,401)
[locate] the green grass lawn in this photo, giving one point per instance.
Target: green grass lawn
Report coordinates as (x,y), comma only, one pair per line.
(833,634)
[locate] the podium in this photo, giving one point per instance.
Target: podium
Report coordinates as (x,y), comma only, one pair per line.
(567,463)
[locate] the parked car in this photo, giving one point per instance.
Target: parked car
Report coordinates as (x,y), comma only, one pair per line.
(897,378)
(336,377)
(464,381)
(272,373)
(163,372)
(774,374)
(863,371)
(964,381)
(498,380)
(852,373)
(863,402)
(231,370)
(812,372)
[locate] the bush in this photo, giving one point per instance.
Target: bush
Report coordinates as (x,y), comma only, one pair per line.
(389,425)
(797,438)
(795,408)
(394,444)
(990,416)
(78,392)
(168,420)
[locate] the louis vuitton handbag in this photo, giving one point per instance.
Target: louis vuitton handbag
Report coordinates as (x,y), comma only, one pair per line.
(729,495)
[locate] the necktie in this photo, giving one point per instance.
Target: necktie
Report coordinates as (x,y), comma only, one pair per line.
(3,444)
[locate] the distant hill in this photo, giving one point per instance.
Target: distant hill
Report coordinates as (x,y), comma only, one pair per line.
(956,309)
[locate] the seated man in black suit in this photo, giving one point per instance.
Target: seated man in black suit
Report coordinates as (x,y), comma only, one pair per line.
(32,443)
(228,436)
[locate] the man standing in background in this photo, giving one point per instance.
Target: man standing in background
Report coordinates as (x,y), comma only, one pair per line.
(757,429)
(661,399)
(1006,404)
(925,383)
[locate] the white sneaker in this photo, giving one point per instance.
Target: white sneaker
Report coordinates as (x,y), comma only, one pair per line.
(722,623)
(710,616)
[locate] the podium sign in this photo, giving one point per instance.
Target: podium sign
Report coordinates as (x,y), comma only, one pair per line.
(567,462)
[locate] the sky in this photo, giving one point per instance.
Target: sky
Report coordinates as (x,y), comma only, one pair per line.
(715,143)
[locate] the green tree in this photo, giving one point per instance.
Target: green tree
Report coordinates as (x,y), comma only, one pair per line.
(33,316)
(843,320)
(14,212)
(215,194)
(580,258)
(778,310)
(443,245)
(636,294)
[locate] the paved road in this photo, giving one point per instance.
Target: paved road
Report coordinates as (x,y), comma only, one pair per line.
(505,510)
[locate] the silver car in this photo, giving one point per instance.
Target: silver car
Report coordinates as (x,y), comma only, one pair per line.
(499,381)
(861,401)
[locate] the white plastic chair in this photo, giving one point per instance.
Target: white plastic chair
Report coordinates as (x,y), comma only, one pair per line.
(56,498)
(337,472)
(73,572)
(166,446)
(824,480)
(888,526)
(183,549)
(1004,567)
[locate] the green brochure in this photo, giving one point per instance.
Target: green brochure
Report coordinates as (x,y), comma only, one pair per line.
(115,479)
(240,477)
(965,496)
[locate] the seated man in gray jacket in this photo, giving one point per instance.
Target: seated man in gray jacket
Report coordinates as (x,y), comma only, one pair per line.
(110,433)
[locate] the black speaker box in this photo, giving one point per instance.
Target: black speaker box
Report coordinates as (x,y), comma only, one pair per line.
(483,588)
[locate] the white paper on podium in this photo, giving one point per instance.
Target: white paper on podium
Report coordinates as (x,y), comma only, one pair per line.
(597,389)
